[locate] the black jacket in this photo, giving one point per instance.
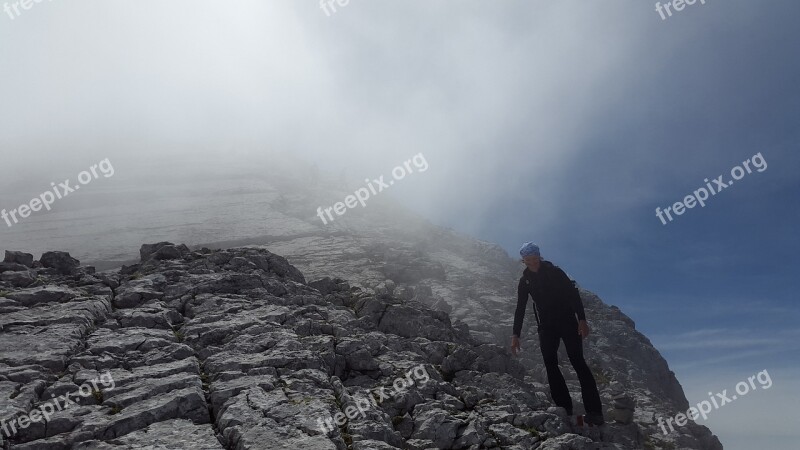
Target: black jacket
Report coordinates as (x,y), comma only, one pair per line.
(555,297)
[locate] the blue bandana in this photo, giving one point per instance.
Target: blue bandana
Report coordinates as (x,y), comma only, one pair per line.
(529,249)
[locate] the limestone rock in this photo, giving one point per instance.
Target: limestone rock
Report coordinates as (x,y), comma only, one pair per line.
(62,262)
(26,259)
(232,349)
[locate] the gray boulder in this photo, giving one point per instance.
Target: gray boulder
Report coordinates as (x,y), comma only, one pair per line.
(26,259)
(62,262)
(12,267)
(162,251)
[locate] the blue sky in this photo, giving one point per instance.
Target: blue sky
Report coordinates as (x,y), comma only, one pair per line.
(566,123)
(715,289)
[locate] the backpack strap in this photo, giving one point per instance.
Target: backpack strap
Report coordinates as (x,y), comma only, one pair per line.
(536,315)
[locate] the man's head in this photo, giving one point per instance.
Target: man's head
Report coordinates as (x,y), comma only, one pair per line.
(531,256)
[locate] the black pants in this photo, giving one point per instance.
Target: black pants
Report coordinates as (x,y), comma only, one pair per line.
(550,338)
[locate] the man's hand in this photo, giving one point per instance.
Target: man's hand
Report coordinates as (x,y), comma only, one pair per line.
(583,329)
(515,345)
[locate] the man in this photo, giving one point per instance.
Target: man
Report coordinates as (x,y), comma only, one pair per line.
(557,303)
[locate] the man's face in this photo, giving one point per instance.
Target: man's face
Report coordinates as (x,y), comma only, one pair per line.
(532,262)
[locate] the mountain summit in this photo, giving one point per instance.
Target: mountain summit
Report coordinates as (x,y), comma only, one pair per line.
(377,330)
(237,349)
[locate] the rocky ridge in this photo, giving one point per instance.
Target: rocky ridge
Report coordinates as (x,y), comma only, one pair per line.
(475,282)
(114,310)
(234,349)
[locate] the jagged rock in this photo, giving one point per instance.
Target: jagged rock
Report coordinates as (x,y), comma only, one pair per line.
(236,337)
(407,322)
(324,285)
(26,259)
(568,442)
(163,251)
(18,279)
(177,434)
(62,262)
(44,294)
(436,425)
(623,408)
(12,267)
(623,401)
(139,291)
(623,416)
(280,266)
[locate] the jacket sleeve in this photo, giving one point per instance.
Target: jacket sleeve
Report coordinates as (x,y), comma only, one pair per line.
(572,295)
(522,302)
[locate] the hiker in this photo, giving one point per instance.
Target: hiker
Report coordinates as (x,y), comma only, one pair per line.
(557,303)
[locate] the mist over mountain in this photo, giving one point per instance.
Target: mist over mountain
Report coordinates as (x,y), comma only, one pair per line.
(241,348)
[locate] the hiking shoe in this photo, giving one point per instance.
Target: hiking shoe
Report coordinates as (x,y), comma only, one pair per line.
(594,419)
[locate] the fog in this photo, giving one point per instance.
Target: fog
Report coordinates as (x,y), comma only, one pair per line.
(480,90)
(564,122)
